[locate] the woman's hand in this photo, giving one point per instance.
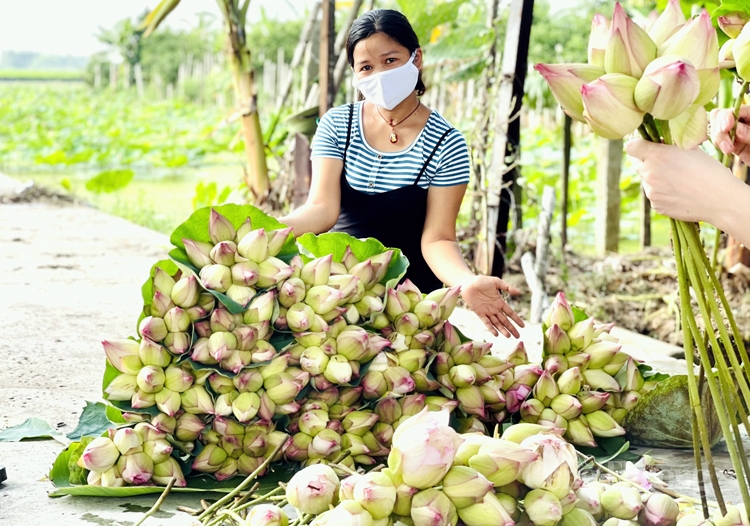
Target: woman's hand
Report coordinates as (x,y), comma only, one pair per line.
(688,185)
(482,295)
(722,122)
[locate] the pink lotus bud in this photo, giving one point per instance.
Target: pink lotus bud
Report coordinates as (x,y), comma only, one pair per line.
(543,507)
(157,450)
(298,447)
(629,48)
(556,340)
(210,459)
(261,308)
(407,324)
(220,384)
(276,240)
(216,277)
(376,493)
(615,363)
(202,353)
(221,345)
(669,22)
(463,354)
(545,389)
(177,320)
(598,39)
(124,355)
(579,432)
(142,399)
(353,343)
(249,380)
(317,272)
(696,41)
(160,304)
(198,253)
(168,401)
(380,264)
(339,370)
(224,253)
(245,273)
(167,470)
(733,23)
(136,468)
(99,455)
(689,128)
(578,360)
(592,401)
(565,82)
(196,312)
(189,427)
(243,230)
(622,501)
(313,360)
(581,334)
(411,290)
(150,379)
(398,380)
(240,294)
(515,396)
(501,461)
(300,317)
(601,353)
(349,260)
(555,364)
(163,423)
(255,442)
(668,87)
(219,228)
(177,342)
(462,375)
(531,410)
(351,287)
(162,282)
(151,353)
(471,401)
(659,510)
(197,401)
(598,379)
(518,355)
(152,328)
(324,444)
(610,95)
(313,422)
(388,410)
(374,384)
(603,425)
(291,291)
(548,418)
(246,406)
(313,489)
(271,272)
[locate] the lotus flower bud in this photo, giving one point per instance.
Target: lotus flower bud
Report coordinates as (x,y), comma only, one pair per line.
(629,49)
(219,228)
(299,317)
(567,406)
(608,95)
(545,389)
(570,382)
(463,354)
(500,461)
(160,304)
(488,511)
(254,246)
(216,277)
(598,40)
(696,41)
(581,334)
(589,499)
(151,353)
(531,409)
(261,308)
(247,465)
(376,493)
(557,341)
(323,299)
(197,401)
(668,87)
(277,239)
(422,382)
(313,360)
(177,342)
(189,427)
(432,507)
(223,253)
(354,444)
(163,423)
(465,486)
(245,273)
(313,422)
(291,291)
(198,253)
(560,313)
(602,425)
(246,406)
(397,303)
(592,401)
(221,384)
(298,447)
(578,359)
(124,355)
(254,443)
(527,374)
(317,271)
(578,517)
(136,468)
(424,339)
(266,515)
(629,378)
(359,422)
(350,287)
(177,379)
(398,380)
(167,470)
(447,298)
(555,468)
(669,22)
(223,403)
(615,363)
(281,388)
(374,384)
(353,343)
(313,489)
(555,364)
(158,450)
(349,260)
(579,433)
(427,312)
(210,459)
(150,379)
(462,375)
(551,419)
(388,410)
(629,400)
(659,510)
(413,360)
(271,272)
(99,455)
(168,401)
(543,507)
(152,328)
(338,370)
(162,282)
(515,396)
(622,501)
(733,23)
(601,353)
(598,379)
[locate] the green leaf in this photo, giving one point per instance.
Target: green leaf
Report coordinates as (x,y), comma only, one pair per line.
(578,314)
(335,243)
(609,449)
(731,6)
(231,305)
(77,474)
(109,181)
(648,373)
(95,420)
(59,475)
(125,407)
(31,428)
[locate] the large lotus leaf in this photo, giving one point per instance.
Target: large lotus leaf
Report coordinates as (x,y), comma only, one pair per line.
(335,243)
(662,417)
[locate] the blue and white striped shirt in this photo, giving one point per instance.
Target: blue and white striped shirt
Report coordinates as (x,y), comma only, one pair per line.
(371,171)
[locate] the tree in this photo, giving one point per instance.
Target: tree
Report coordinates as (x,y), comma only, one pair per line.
(234,15)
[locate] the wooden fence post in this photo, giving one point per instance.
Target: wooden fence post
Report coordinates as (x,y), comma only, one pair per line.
(608,196)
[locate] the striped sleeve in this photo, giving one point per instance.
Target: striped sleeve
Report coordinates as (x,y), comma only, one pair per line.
(454,165)
(326,142)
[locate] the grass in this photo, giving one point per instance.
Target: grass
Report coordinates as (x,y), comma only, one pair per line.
(26,74)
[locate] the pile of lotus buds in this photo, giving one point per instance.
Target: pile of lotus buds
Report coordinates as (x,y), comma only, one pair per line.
(588,383)
(438,477)
(323,352)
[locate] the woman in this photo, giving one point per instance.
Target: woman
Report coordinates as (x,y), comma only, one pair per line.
(390,168)
(693,186)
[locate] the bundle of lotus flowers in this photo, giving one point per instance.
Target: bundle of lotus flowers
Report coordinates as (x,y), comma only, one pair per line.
(588,384)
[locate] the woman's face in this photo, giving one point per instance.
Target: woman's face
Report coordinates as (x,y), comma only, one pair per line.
(379,53)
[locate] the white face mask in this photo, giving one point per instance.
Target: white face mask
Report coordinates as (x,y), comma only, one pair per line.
(389,88)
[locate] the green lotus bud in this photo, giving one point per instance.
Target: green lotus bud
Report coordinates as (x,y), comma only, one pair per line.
(422,382)
(359,422)
(406,324)
(317,272)
(160,304)
(189,427)
(298,447)
(247,465)
(168,401)
(223,403)
(500,461)
(291,291)
(380,321)
(135,468)
(543,507)
(152,328)
(374,384)
(254,246)
(313,489)
(219,228)
(255,443)
(556,340)
(602,425)
(167,470)
(579,433)
(162,282)
(581,334)
(177,342)
(398,380)
(545,389)
(216,277)
(349,260)
(388,410)
(622,501)
(150,379)
(324,444)
(313,422)
(142,400)
(271,272)
(579,360)
(592,401)
(124,355)
(279,364)
(354,444)
(210,459)
(245,273)
(549,418)
(198,253)
(163,423)
(197,401)
(471,401)
(313,360)
(732,23)
(555,364)
(462,375)
(223,253)
(659,510)
(281,388)
(177,379)
(99,455)
(629,378)
(465,486)
(338,370)
(397,304)
(128,441)
(531,409)
(560,313)
(589,499)
(353,343)
(601,353)
(158,450)
(246,406)
(243,230)
(277,239)
(567,406)
(615,364)
(376,493)
(300,317)
(527,374)
(570,381)
(151,353)
(413,360)
(427,312)
(488,511)
(351,287)
(598,379)
(266,515)
(323,299)
(222,321)
(431,507)
(220,384)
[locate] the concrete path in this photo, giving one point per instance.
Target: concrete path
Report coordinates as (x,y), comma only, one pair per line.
(70,276)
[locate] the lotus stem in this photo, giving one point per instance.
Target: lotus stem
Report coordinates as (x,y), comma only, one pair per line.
(158,503)
(250,478)
(244,506)
(696,441)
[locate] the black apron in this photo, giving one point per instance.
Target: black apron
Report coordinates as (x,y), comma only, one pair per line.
(395,218)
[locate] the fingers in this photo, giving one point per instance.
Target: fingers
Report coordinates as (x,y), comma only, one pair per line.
(510,313)
(639,148)
(489,325)
(504,285)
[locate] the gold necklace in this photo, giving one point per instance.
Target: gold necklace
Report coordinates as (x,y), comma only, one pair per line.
(389,122)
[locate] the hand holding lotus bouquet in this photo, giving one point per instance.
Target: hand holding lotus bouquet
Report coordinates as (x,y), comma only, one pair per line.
(658,81)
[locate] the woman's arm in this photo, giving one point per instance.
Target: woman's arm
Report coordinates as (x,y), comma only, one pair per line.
(442,253)
(321,211)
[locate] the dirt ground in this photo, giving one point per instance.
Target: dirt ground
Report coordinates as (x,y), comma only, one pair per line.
(70,277)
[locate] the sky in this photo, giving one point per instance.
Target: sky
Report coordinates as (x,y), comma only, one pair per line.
(67,27)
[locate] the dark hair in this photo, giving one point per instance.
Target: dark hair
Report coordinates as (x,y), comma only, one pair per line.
(392,24)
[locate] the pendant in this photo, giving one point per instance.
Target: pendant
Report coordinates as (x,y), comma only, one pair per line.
(394,138)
